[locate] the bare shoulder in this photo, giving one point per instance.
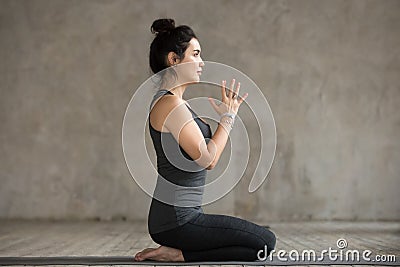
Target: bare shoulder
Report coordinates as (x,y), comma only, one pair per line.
(166,103)
(162,108)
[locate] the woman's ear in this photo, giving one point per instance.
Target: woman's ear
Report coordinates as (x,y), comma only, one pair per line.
(172,58)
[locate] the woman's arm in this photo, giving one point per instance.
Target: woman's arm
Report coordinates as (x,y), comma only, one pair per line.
(181,124)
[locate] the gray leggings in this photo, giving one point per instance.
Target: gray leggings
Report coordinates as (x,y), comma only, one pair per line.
(213,237)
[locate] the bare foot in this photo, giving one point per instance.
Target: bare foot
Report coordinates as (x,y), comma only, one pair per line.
(139,255)
(162,253)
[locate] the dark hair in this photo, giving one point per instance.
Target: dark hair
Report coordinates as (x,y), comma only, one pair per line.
(168,39)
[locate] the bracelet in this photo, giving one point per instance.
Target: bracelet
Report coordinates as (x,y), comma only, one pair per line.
(229,122)
(230,115)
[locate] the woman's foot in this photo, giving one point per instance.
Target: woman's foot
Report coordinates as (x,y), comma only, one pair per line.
(162,253)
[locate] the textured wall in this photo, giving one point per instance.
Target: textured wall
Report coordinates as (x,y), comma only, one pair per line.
(329,69)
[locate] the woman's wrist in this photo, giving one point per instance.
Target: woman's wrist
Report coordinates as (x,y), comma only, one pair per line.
(229,115)
(228,119)
(226,123)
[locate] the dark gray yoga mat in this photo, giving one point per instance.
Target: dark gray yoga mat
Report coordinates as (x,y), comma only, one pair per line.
(112,260)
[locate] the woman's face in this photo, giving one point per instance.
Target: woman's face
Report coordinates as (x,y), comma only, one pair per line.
(189,69)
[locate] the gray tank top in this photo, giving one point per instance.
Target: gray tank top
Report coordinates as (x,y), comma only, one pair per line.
(186,202)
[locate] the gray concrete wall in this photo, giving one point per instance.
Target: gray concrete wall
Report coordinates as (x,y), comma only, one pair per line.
(329,69)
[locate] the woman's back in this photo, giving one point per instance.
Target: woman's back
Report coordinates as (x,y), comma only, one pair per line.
(180,180)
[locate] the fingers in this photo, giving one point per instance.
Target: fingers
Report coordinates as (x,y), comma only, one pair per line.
(212,102)
(237,90)
(234,93)
(242,98)
(223,92)
(231,89)
(231,94)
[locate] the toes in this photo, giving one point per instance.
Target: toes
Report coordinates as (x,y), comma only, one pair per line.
(145,254)
(139,255)
(151,254)
(159,254)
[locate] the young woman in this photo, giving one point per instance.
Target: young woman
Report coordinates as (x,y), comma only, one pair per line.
(184,232)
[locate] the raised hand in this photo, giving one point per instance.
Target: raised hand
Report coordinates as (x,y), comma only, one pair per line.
(231,101)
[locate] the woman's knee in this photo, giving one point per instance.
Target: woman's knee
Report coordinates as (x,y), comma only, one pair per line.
(161,239)
(155,238)
(270,239)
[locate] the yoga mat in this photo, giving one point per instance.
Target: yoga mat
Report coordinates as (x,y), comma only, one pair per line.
(102,260)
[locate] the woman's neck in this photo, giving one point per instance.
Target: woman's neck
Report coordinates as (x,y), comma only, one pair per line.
(179,90)
(173,84)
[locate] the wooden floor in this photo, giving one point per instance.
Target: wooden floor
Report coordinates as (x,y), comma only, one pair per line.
(92,238)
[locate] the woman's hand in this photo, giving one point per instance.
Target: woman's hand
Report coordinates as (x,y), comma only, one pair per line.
(231,102)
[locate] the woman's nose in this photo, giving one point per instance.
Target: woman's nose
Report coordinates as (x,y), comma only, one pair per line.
(201,62)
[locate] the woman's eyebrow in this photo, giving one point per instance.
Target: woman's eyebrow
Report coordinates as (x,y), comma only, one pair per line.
(198,50)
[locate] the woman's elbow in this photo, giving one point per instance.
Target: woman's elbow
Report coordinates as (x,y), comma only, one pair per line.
(211,166)
(207,161)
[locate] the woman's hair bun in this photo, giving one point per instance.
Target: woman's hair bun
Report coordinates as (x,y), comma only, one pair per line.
(162,25)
